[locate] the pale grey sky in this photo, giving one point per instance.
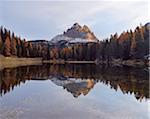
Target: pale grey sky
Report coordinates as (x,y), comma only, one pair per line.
(45,19)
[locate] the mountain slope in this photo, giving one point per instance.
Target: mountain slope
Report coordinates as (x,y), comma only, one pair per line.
(75,34)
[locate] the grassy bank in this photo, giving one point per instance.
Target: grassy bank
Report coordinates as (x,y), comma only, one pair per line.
(8,62)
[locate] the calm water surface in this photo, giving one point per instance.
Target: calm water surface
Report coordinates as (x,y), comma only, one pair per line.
(74,92)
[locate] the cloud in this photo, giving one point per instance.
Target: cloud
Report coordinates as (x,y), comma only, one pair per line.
(44,19)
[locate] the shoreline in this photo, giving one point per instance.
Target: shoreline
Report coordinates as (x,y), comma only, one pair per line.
(68,62)
(114,62)
(9,62)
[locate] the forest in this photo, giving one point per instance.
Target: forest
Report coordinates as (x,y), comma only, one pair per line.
(130,44)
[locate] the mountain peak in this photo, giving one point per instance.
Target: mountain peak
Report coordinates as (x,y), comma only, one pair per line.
(86,28)
(77,31)
(75,34)
(76,25)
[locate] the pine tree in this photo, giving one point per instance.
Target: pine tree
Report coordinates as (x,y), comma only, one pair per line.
(1,43)
(7,45)
(13,45)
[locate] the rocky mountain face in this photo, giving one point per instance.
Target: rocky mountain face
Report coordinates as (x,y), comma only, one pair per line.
(77,31)
(76,34)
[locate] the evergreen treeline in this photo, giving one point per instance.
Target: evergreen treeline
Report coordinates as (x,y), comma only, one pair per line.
(12,45)
(128,45)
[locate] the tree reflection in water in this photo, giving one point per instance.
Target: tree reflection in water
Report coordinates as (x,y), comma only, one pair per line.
(79,79)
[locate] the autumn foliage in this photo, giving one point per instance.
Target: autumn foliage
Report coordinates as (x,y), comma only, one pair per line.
(127,45)
(12,45)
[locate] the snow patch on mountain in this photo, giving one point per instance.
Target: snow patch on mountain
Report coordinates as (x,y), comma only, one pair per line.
(80,40)
(75,34)
(59,38)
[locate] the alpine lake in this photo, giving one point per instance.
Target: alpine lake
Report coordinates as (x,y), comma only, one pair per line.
(74,91)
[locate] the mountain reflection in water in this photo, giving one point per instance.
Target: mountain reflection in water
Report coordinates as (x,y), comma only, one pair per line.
(79,79)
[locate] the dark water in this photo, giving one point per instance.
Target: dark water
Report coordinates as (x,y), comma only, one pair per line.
(74,92)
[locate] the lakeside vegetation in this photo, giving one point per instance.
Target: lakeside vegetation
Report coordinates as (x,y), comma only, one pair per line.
(8,62)
(129,48)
